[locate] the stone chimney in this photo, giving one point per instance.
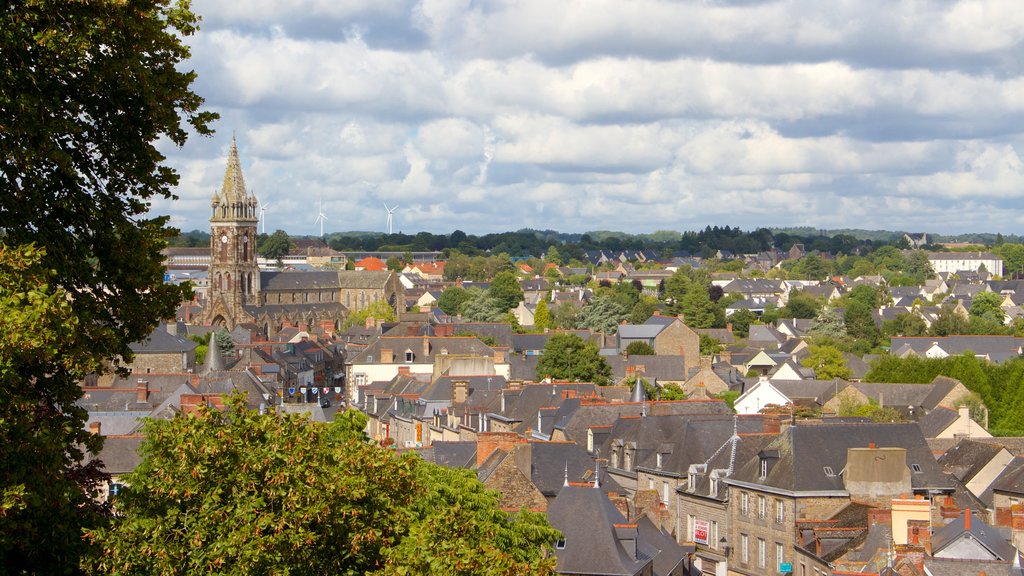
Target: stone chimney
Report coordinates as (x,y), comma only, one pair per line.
(403,370)
(426,346)
(460,391)
(387,355)
(488,442)
(141,392)
(94,427)
(498,357)
(371,322)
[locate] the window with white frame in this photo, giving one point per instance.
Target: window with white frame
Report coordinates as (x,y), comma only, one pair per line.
(691,525)
(713,536)
(778,555)
(744,548)
(780,511)
(762,553)
(761,506)
(713,489)
(744,504)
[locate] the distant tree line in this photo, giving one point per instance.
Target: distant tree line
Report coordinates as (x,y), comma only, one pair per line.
(528,242)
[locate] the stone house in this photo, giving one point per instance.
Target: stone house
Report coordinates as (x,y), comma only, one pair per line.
(812,471)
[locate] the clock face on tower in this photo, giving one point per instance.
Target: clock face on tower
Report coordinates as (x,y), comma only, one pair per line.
(224,238)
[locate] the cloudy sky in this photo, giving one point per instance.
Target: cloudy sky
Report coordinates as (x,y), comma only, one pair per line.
(632,115)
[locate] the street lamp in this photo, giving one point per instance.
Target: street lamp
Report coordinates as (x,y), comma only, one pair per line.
(723,543)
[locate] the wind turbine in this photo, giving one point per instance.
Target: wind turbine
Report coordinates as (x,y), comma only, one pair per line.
(391,212)
(263,217)
(321,217)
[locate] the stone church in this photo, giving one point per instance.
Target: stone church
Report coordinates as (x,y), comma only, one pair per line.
(241,293)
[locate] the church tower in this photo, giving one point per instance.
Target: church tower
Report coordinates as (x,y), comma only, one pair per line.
(234,274)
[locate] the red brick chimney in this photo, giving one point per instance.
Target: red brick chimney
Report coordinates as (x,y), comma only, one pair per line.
(967,519)
(488,442)
(94,427)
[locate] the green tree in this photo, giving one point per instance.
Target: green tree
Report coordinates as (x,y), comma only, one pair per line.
(87,91)
(480,307)
(380,311)
(987,305)
(569,357)
(45,490)
(949,322)
(275,246)
(709,346)
(699,311)
(603,314)
(828,324)
(541,315)
(905,324)
(800,305)
(860,323)
(228,493)
(506,291)
(395,264)
(451,299)
(554,256)
(827,362)
(741,321)
(564,316)
(640,348)
(643,309)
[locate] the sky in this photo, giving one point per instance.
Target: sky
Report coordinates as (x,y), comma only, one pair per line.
(629,115)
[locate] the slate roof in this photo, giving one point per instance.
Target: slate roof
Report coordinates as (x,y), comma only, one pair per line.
(273,280)
(935,421)
(967,458)
(950,567)
(458,454)
(120,454)
(575,422)
(806,449)
(160,341)
(979,531)
(587,519)
(1012,478)
(436,344)
(660,367)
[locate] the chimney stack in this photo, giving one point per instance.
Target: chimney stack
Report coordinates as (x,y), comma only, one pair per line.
(94,427)
(142,392)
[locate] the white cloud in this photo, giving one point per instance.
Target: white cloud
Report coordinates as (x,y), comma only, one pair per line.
(600,114)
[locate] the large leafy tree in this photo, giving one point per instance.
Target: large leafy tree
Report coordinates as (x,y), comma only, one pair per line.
(230,493)
(451,299)
(603,314)
(827,362)
(86,90)
(505,290)
(569,357)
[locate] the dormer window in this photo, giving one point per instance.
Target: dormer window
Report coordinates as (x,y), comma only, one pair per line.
(659,460)
(829,472)
(763,469)
(691,481)
(408,355)
(713,490)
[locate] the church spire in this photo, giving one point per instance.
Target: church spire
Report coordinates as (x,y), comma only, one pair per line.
(233,189)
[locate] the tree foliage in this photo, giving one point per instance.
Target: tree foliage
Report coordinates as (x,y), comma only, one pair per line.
(45,490)
(1000,386)
(274,246)
(569,357)
(480,307)
(380,311)
(541,315)
(230,493)
(506,291)
(87,90)
(603,314)
(640,348)
(451,299)
(827,362)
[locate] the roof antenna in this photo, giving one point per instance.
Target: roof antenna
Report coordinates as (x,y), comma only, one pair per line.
(597,475)
(566,482)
